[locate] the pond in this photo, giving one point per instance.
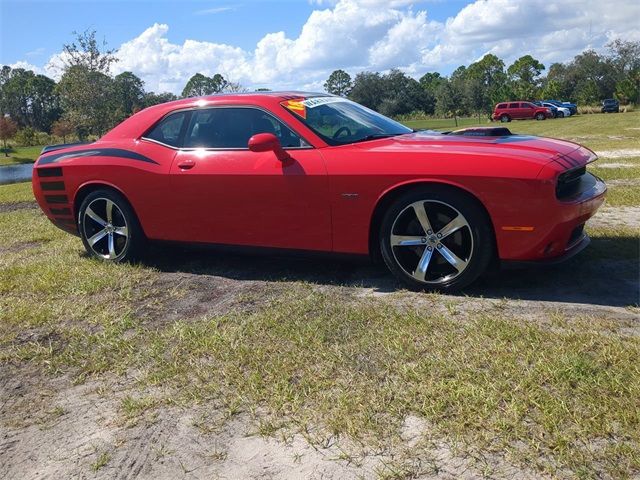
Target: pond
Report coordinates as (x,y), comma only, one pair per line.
(15,173)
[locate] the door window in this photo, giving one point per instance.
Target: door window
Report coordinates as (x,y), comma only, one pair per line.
(232,127)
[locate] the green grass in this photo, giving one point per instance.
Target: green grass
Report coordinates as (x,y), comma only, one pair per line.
(598,132)
(16,192)
(561,397)
(20,155)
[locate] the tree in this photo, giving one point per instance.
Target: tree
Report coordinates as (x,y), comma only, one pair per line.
(28,98)
(151,98)
(403,94)
(339,83)
(487,84)
(85,51)
(128,92)
(62,128)
(8,129)
(199,85)
(525,75)
(87,99)
(625,57)
(449,100)
(368,89)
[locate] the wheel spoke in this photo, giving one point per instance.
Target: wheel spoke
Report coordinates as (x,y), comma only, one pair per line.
(109,211)
(451,227)
(121,231)
(452,258)
(112,247)
(421,213)
(421,270)
(95,217)
(96,237)
(406,240)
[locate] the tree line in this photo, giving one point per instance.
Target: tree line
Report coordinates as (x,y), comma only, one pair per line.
(475,89)
(87,100)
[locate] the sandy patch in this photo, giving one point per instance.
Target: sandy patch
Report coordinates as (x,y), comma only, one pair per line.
(623,153)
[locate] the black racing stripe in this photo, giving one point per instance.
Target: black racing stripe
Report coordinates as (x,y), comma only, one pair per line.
(49,172)
(48,186)
(56,199)
(60,211)
(96,152)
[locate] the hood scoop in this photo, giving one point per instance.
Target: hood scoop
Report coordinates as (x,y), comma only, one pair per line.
(483,132)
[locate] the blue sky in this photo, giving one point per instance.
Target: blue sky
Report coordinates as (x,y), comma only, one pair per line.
(296,43)
(50,23)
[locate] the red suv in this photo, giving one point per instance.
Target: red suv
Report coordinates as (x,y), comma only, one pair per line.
(505,112)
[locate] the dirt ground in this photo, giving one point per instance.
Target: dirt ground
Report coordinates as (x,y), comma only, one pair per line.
(53,428)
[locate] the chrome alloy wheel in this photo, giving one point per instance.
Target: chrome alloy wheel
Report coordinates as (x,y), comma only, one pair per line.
(105,228)
(431,241)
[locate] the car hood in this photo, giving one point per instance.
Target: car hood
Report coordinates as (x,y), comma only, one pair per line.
(540,150)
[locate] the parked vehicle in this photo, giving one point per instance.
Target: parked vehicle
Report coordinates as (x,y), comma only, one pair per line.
(310,171)
(610,105)
(507,111)
(558,112)
(573,108)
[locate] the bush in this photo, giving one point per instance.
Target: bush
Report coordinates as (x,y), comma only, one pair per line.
(26,137)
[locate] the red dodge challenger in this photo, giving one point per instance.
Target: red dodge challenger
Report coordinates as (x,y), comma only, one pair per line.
(310,171)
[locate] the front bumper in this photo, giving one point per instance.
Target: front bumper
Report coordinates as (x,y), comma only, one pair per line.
(558,231)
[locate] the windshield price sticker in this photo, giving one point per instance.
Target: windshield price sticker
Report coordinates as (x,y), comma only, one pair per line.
(299,106)
(317,101)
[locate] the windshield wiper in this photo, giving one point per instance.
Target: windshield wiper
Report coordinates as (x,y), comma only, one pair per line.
(374,136)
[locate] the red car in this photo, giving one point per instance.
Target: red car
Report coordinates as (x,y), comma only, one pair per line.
(507,111)
(317,172)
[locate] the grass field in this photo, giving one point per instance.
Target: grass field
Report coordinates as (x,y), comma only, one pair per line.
(20,155)
(520,372)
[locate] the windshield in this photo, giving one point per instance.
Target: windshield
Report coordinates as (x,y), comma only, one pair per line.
(339,121)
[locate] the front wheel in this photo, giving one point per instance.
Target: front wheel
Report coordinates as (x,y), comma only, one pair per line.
(436,238)
(540,116)
(505,118)
(560,114)
(108,227)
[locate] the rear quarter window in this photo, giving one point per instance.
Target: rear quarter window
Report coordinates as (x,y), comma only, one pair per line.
(168,130)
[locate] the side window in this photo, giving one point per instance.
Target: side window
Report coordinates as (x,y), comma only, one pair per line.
(514,105)
(502,105)
(528,105)
(168,130)
(230,127)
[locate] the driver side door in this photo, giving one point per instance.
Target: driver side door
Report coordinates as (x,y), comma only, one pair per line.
(223,193)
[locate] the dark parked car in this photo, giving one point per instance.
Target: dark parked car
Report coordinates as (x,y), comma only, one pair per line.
(610,105)
(573,108)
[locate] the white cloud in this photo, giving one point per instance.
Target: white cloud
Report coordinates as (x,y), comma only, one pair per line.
(382,34)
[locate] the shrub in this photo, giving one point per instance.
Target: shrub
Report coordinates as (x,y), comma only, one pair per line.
(26,137)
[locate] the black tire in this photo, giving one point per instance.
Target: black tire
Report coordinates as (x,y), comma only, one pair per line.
(540,116)
(505,118)
(560,115)
(116,239)
(472,244)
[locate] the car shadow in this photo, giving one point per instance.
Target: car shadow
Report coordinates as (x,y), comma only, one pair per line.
(606,273)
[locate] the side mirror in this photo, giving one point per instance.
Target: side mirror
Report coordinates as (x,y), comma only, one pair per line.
(268,142)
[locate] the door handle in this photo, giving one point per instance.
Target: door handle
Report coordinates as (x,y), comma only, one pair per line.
(186,164)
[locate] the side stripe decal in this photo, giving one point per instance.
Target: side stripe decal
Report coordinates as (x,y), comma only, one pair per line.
(96,152)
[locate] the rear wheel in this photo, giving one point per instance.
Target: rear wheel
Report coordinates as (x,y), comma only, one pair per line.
(560,114)
(505,118)
(436,238)
(540,116)
(108,227)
